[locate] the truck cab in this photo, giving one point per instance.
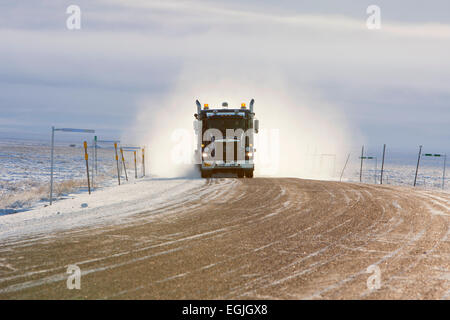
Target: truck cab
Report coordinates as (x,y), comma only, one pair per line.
(225,139)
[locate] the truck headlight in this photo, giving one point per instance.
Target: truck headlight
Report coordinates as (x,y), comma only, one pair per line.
(249,154)
(204,154)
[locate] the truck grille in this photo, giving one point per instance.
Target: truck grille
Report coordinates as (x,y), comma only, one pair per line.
(230,149)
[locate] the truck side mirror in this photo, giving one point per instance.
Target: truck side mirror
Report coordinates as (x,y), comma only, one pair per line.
(256,125)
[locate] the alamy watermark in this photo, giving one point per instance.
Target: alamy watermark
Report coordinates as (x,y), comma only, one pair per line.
(73,22)
(374,20)
(74,279)
(374,281)
(215,146)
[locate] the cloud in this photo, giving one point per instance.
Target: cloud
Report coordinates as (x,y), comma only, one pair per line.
(133,51)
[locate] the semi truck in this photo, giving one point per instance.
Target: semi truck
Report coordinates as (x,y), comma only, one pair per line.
(225,139)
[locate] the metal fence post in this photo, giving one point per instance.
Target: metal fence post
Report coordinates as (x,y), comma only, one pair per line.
(418,162)
(123,161)
(92,164)
(135,165)
(362,159)
(143,161)
(382,164)
(345,165)
(117,162)
(86,157)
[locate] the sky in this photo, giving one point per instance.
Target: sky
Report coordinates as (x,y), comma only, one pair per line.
(313,67)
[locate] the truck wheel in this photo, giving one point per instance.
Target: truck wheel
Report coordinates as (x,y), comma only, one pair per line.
(240,174)
(249,174)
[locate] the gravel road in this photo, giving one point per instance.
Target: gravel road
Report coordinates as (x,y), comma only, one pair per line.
(262,238)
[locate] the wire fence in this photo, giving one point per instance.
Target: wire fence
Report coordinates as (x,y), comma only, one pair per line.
(399,167)
(25,170)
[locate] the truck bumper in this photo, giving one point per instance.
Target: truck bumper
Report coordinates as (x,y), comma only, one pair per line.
(219,166)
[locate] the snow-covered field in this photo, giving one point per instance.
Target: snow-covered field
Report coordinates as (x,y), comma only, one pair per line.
(25,171)
(30,161)
(399,169)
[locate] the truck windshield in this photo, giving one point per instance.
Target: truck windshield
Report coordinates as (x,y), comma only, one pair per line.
(223,124)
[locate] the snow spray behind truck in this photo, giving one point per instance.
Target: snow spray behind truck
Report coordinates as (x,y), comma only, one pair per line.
(225,139)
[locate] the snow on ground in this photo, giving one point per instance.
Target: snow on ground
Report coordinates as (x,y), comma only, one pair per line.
(23,160)
(25,171)
(107,205)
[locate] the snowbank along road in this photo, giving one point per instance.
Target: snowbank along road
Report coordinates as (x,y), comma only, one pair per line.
(232,238)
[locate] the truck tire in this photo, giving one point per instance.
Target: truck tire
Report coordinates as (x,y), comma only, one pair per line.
(249,174)
(240,174)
